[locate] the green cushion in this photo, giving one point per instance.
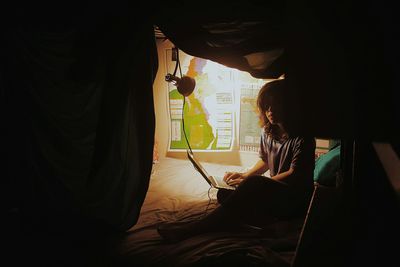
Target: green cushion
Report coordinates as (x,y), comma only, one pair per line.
(326,167)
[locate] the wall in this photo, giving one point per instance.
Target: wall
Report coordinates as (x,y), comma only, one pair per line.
(160,88)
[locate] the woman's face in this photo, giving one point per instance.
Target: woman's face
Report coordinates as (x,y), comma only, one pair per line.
(274,111)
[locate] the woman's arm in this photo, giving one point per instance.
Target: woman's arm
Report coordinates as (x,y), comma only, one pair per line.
(284,176)
(301,170)
(258,169)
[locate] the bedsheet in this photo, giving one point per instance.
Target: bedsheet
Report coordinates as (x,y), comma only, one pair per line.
(178,192)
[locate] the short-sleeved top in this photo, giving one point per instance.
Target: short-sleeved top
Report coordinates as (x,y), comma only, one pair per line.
(296,152)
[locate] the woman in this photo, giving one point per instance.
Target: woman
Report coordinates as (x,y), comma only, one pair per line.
(259,200)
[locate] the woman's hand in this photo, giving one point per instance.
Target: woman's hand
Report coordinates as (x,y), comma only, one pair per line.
(234,178)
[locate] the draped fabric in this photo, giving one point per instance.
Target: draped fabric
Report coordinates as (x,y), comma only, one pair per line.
(248,37)
(80,119)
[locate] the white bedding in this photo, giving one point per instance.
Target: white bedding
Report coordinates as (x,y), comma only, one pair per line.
(178,192)
(174,184)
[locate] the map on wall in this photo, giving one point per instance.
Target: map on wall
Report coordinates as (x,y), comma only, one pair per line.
(208,113)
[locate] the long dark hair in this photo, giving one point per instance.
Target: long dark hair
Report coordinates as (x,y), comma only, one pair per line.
(276,89)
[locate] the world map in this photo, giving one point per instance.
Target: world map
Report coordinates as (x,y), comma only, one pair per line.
(208,117)
(221,108)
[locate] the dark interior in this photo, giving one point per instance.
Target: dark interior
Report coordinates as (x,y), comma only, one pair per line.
(78,119)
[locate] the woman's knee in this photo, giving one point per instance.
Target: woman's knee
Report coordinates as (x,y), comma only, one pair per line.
(250,185)
(253,182)
(263,184)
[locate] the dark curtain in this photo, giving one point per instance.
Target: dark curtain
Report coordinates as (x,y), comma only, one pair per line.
(77,103)
(248,36)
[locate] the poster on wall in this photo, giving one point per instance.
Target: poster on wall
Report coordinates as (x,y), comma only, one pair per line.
(249,125)
(208,114)
(249,130)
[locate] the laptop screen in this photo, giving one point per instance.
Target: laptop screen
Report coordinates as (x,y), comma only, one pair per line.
(200,169)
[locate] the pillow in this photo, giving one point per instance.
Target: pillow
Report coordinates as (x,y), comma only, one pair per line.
(326,167)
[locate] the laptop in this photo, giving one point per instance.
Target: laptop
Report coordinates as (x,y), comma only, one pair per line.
(214,181)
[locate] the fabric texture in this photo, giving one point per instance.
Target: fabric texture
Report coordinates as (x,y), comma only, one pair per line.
(261,200)
(248,37)
(184,196)
(327,166)
(80,89)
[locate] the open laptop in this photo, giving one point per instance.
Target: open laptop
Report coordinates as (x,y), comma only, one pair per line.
(214,181)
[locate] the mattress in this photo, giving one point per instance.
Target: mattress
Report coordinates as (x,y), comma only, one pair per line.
(178,192)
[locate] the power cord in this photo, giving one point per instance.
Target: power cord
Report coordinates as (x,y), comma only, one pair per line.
(178,65)
(207,207)
(183,126)
(177,61)
(209,202)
